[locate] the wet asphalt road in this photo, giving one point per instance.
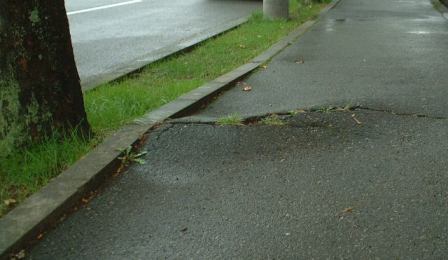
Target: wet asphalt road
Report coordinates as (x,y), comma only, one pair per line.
(359,184)
(111,41)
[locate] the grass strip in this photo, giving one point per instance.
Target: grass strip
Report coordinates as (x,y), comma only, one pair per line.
(114,104)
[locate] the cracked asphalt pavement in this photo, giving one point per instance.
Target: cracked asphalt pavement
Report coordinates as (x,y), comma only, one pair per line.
(369,182)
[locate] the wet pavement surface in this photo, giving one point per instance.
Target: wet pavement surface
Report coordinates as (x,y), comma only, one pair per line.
(320,186)
(382,54)
(112,41)
(365,183)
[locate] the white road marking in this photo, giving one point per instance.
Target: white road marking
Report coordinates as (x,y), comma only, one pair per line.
(104,7)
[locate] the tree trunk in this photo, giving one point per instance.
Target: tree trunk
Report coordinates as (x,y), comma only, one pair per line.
(40,91)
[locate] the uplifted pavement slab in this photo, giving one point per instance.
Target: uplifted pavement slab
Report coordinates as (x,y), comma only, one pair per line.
(384,54)
(356,184)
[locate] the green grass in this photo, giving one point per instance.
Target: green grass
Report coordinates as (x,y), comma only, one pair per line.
(114,104)
(233,119)
(27,171)
(272,120)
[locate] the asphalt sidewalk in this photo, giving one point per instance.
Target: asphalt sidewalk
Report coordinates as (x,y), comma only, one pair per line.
(357,170)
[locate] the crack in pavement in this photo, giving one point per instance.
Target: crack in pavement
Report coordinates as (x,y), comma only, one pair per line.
(402,114)
(160,130)
(283,115)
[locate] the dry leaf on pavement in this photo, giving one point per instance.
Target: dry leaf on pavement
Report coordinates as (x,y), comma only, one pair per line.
(348,210)
(247,88)
(356,120)
(341,215)
(244,86)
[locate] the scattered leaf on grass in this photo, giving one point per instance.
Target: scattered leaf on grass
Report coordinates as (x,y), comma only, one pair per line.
(10,202)
(242,46)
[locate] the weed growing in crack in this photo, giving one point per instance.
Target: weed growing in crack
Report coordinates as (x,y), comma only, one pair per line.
(232,119)
(296,112)
(128,156)
(273,120)
(325,109)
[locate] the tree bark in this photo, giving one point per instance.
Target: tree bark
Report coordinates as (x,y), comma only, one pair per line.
(40,91)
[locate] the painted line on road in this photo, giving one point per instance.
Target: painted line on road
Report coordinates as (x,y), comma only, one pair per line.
(104,7)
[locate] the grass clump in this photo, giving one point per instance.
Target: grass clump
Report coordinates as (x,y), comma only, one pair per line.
(273,120)
(114,104)
(232,119)
(26,171)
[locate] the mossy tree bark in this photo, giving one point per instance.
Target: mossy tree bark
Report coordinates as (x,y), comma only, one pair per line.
(40,91)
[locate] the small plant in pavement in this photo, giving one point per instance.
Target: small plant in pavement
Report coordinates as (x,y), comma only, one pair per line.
(232,119)
(273,120)
(129,156)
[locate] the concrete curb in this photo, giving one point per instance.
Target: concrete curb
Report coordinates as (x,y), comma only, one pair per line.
(40,211)
(444,8)
(441,6)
